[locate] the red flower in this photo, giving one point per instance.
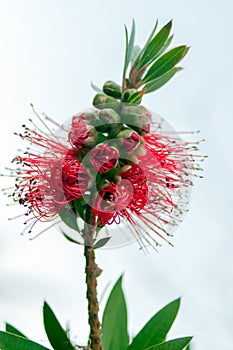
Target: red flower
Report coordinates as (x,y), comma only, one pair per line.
(148,191)
(127,197)
(75,179)
(46,183)
(104,158)
(158,189)
(37,188)
(82,134)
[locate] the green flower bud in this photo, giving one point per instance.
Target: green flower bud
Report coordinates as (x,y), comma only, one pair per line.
(143,111)
(85,117)
(129,140)
(109,116)
(109,121)
(132,96)
(140,151)
(111,88)
(127,93)
(134,109)
(93,136)
(133,159)
(139,123)
(89,117)
(102,101)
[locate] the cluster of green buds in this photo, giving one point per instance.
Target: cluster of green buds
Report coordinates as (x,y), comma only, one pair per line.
(121,123)
(121,111)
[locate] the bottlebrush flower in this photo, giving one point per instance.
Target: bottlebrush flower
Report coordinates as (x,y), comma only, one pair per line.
(158,185)
(116,201)
(117,165)
(47,182)
(145,193)
(104,158)
(75,179)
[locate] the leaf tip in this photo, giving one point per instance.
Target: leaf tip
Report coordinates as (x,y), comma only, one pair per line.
(46,306)
(169,24)
(120,279)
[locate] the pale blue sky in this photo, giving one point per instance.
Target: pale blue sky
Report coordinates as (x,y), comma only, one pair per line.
(50,51)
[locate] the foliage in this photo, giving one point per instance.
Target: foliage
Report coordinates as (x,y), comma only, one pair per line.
(115,335)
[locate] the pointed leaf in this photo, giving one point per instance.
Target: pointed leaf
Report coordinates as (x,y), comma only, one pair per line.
(101,242)
(165,63)
(131,43)
(135,52)
(175,344)
(136,97)
(114,324)
(80,207)
(151,35)
(69,238)
(69,218)
(99,228)
(96,88)
(155,46)
(135,63)
(157,83)
(165,46)
(156,329)
(10,341)
(126,52)
(13,330)
(129,48)
(56,334)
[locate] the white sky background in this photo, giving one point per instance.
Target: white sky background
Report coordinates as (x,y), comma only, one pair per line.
(49,53)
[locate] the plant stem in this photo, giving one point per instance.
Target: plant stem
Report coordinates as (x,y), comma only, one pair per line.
(91,271)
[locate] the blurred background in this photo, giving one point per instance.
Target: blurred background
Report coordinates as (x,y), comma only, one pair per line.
(50,50)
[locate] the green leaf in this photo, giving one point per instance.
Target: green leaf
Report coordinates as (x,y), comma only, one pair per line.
(135,52)
(135,63)
(188,347)
(99,228)
(165,63)
(129,48)
(126,52)
(101,242)
(114,324)
(80,207)
(69,238)
(13,330)
(160,81)
(135,98)
(151,35)
(165,46)
(155,46)
(175,344)
(96,88)
(156,329)
(69,218)
(10,341)
(55,333)
(131,43)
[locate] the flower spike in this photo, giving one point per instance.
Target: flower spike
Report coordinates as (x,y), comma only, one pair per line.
(117,169)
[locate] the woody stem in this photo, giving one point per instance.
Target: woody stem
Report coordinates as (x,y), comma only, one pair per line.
(91,271)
